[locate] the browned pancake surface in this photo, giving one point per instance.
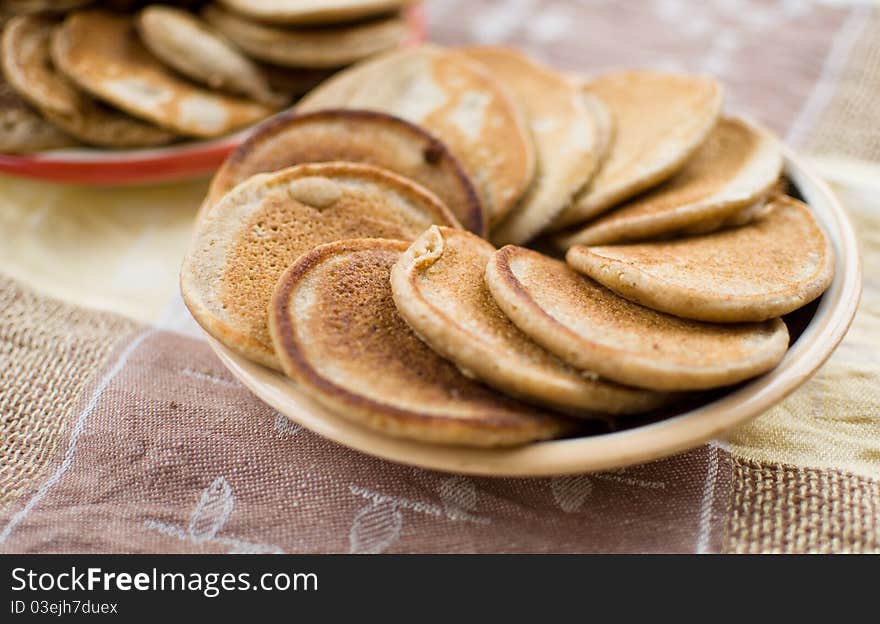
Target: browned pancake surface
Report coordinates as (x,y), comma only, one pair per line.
(187,44)
(564,133)
(314,12)
(590,327)
(762,270)
(101,52)
(338,333)
(355,136)
(456,100)
(28,68)
(242,244)
(327,47)
(661,120)
(733,169)
(439,290)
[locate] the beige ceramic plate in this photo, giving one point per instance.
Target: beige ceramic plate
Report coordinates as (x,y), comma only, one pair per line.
(823,332)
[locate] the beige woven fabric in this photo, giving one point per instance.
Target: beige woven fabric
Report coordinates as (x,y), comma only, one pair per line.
(842,129)
(784,509)
(48,351)
(833,421)
(174,455)
(126,435)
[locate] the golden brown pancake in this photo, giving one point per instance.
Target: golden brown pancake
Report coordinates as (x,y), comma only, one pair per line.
(28,69)
(662,119)
(326,47)
(243,243)
(592,328)
(312,11)
(743,216)
(22,130)
(338,335)
(732,170)
(453,98)
(606,127)
(564,133)
(439,290)
(759,271)
(101,53)
(185,43)
(355,136)
(27,7)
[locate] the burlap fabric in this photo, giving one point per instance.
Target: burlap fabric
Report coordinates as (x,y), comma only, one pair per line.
(121,432)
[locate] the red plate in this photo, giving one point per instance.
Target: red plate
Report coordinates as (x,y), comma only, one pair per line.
(176,162)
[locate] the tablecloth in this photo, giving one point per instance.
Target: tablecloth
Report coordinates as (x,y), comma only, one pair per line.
(120,431)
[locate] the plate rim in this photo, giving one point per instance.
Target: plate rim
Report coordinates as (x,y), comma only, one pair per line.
(650,442)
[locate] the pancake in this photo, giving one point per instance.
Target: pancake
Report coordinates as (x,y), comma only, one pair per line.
(339,336)
(102,54)
(743,216)
(591,328)
(22,130)
(321,48)
(439,290)
(242,244)
(768,268)
(736,166)
(606,127)
(185,43)
(27,7)
(355,136)
(313,11)
(564,133)
(662,119)
(456,100)
(28,69)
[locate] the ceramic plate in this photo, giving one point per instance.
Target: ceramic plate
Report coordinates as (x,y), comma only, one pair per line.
(175,162)
(819,328)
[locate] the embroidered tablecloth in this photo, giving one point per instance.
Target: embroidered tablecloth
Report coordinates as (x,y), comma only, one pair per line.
(120,431)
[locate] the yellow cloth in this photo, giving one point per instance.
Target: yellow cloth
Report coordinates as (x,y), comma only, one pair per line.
(115,249)
(833,421)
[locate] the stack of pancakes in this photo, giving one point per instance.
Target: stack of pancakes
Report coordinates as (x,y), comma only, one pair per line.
(371,245)
(119,74)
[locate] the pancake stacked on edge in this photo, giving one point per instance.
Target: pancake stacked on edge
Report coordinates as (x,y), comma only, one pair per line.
(759,271)
(126,75)
(731,172)
(183,42)
(390,315)
(313,12)
(455,99)
(439,289)
(244,242)
(138,83)
(661,120)
(339,335)
(27,66)
(355,136)
(565,134)
(23,130)
(329,47)
(592,328)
